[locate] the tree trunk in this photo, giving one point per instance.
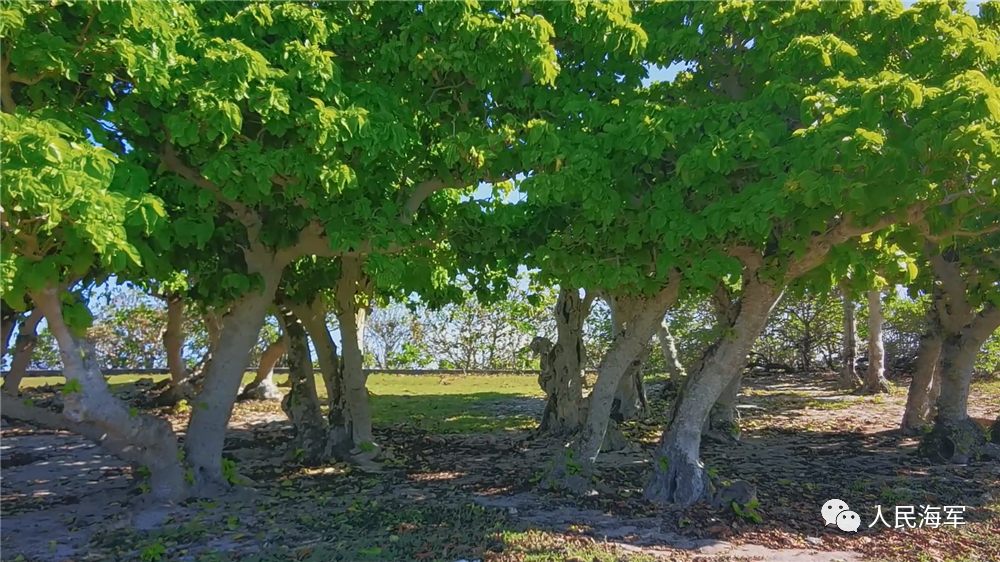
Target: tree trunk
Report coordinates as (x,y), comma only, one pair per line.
(173,340)
(571,468)
(723,421)
(675,371)
(678,474)
(562,375)
(8,320)
(263,387)
(919,413)
(179,386)
(313,318)
(351,416)
(88,400)
(630,398)
(213,406)
(848,378)
(24,348)
(875,377)
(301,404)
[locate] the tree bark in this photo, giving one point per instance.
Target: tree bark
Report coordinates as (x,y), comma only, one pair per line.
(24,348)
(313,318)
(8,320)
(919,413)
(351,436)
(301,404)
(875,377)
(723,419)
(630,400)
(173,340)
(562,375)
(678,475)
(572,467)
(675,371)
(956,438)
(848,378)
(263,387)
(88,400)
(213,406)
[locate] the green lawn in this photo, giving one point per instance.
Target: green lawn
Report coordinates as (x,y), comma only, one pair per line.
(435,403)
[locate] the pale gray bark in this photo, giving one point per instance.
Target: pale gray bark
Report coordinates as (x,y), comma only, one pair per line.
(263,387)
(301,404)
(848,378)
(313,317)
(678,475)
(675,371)
(213,406)
(24,348)
(623,353)
(875,381)
(351,416)
(722,418)
(920,401)
(148,439)
(562,373)
(630,400)
(955,437)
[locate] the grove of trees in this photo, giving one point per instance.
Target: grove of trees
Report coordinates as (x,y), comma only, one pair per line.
(312,175)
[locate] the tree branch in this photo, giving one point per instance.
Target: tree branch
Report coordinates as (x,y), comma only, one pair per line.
(247,216)
(427,188)
(843,231)
(957,313)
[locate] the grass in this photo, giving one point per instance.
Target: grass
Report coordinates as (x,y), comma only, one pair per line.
(440,404)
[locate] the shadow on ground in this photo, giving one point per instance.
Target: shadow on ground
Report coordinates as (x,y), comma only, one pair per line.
(458,484)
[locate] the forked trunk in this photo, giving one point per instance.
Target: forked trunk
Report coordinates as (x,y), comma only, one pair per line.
(956,438)
(88,400)
(848,378)
(24,349)
(562,365)
(678,474)
(351,436)
(875,381)
(301,404)
(920,402)
(571,468)
(213,406)
(263,387)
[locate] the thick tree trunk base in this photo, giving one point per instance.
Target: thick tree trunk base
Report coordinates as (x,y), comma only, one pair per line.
(680,478)
(848,380)
(879,386)
(265,390)
(958,443)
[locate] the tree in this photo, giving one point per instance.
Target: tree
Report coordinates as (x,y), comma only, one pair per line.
(62,222)
(875,381)
(838,117)
(563,362)
(282,135)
